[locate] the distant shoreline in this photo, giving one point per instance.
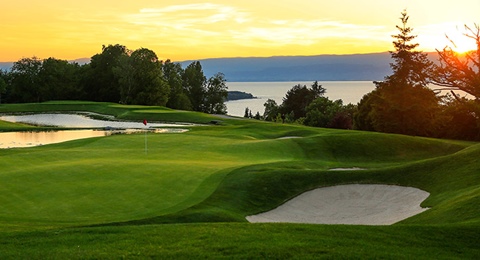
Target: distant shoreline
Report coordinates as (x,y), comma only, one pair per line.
(239,95)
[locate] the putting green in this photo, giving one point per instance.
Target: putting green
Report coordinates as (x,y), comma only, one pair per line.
(112,179)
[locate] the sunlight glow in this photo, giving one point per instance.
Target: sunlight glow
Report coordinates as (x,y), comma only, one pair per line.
(462,44)
(453,37)
(187,29)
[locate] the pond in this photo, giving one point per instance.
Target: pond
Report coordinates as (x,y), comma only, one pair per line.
(30,139)
(36,138)
(78,120)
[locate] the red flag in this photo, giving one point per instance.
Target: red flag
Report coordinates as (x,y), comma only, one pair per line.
(145,121)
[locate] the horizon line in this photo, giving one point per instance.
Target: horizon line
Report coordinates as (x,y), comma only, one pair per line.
(233,57)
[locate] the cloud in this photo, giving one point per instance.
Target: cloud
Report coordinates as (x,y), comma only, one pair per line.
(198,26)
(308,32)
(211,19)
(179,8)
(188,15)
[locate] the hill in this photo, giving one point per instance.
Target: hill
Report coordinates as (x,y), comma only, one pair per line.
(8,65)
(5,65)
(369,67)
(349,67)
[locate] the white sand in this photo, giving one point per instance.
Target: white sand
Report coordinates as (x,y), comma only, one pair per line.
(355,204)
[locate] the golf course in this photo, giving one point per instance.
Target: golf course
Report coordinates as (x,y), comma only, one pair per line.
(189,197)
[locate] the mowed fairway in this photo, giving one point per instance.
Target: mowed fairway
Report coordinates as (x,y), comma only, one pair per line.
(107,197)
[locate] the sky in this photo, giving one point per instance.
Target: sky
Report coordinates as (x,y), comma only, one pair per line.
(188,30)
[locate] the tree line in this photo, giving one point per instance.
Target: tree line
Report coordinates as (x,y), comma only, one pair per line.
(119,75)
(403,102)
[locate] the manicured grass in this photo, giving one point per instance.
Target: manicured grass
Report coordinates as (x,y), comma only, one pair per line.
(106,198)
(14,126)
(245,241)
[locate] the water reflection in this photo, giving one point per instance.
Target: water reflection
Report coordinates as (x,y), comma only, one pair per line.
(30,139)
(75,120)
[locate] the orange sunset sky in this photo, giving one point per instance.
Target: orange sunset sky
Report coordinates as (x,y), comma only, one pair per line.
(185,29)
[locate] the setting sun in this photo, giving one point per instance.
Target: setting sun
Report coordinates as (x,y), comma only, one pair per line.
(462,45)
(460,41)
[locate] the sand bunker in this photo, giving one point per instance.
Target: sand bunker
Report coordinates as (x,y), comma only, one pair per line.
(355,204)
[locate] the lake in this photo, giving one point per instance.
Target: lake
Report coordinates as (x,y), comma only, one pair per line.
(348,91)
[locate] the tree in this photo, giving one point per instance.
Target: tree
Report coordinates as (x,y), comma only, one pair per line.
(257,116)
(363,118)
(25,80)
(4,78)
(271,110)
(323,112)
(458,120)
(461,72)
(247,113)
(125,73)
(3,88)
(343,119)
(298,98)
(149,86)
(102,83)
(402,103)
(141,80)
(216,94)
(58,81)
(194,85)
(178,99)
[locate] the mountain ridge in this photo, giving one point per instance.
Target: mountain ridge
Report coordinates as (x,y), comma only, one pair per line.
(324,67)
(327,67)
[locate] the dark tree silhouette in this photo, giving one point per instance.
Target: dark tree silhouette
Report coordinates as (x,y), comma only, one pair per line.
(271,110)
(215,95)
(101,83)
(3,86)
(460,115)
(194,85)
(402,103)
(25,80)
(461,72)
(178,99)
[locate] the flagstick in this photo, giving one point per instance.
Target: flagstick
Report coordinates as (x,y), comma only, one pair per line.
(146,148)
(146,130)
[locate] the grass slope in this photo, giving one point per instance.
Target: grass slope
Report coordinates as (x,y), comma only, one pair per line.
(221,174)
(245,241)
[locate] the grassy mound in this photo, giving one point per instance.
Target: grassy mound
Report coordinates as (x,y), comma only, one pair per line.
(222,173)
